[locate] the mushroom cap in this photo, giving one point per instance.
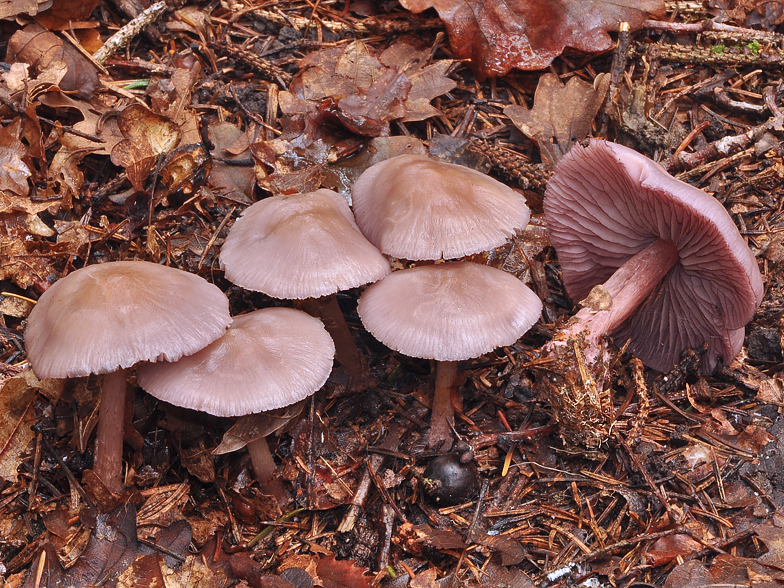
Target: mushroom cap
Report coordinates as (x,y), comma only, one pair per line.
(109,316)
(417,208)
(267,359)
(300,246)
(450,311)
(606,203)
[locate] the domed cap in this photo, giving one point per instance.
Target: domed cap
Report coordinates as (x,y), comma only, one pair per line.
(414,207)
(108,316)
(448,312)
(300,246)
(606,203)
(268,359)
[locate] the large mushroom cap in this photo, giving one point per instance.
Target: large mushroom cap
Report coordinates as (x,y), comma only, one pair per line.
(267,359)
(606,203)
(448,312)
(300,246)
(108,316)
(418,208)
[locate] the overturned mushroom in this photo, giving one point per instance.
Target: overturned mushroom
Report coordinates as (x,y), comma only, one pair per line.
(102,319)
(659,263)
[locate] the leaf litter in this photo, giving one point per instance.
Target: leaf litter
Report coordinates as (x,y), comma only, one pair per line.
(153,154)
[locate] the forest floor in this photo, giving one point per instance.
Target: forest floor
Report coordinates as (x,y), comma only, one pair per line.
(283,97)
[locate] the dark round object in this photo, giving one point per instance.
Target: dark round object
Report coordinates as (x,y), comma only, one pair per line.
(449,481)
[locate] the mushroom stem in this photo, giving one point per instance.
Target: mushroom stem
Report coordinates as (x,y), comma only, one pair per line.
(264,466)
(346,351)
(109,433)
(442,417)
(628,288)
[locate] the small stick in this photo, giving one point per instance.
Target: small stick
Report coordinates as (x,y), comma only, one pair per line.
(129,31)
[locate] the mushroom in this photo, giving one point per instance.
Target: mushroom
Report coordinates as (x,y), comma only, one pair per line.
(448,312)
(267,359)
(417,208)
(660,262)
(305,246)
(102,319)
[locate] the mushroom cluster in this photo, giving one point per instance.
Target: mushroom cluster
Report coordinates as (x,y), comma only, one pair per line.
(421,209)
(103,319)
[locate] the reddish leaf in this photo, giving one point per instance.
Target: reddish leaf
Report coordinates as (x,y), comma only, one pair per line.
(342,574)
(498,35)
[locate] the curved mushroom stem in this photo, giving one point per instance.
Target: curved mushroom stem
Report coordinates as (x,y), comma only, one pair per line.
(109,433)
(346,351)
(264,466)
(442,417)
(627,288)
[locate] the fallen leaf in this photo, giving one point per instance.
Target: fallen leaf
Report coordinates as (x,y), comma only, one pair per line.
(499,35)
(255,426)
(17,399)
(231,181)
(342,574)
(147,136)
(42,49)
(561,115)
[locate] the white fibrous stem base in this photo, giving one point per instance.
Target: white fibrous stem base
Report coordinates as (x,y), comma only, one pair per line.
(442,417)
(110,430)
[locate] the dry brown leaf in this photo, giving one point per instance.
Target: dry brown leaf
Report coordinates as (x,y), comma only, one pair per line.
(561,115)
(498,35)
(62,15)
(147,136)
(14,173)
(17,414)
(342,574)
(255,426)
(42,50)
(234,182)
(30,7)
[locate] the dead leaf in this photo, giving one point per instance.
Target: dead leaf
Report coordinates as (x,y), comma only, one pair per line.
(368,112)
(231,181)
(42,50)
(29,7)
(342,574)
(725,570)
(14,173)
(561,115)
(147,136)
(255,426)
(17,415)
(500,35)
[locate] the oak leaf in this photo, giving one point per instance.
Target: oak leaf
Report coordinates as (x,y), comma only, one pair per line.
(498,35)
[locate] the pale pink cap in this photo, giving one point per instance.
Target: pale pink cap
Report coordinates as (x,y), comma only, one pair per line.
(417,208)
(108,316)
(450,311)
(268,359)
(300,246)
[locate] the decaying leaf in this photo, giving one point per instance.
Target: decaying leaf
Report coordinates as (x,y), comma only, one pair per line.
(231,181)
(147,136)
(561,115)
(17,415)
(342,574)
(256,426)
(499,35)
(725,570)
(43,50)
(14,173)
(365,92)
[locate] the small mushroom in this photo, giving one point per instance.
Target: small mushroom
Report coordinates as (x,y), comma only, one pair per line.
(448,312)
(660,262)
(301,247)
(102,319)
(267,359)
(417,208)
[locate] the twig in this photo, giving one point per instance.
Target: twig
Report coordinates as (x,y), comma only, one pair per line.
(129,31)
